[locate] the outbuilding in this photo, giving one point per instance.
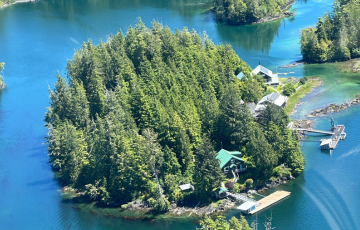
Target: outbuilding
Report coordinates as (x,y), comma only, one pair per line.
(247,207)
(186,187)
(221,193)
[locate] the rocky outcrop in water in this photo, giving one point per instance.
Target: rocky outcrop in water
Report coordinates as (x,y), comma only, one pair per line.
(303,124)
(291,65)
(275,17)
(334,108)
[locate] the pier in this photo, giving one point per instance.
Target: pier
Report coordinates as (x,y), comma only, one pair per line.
(270,200)
(337,133)
(252,207)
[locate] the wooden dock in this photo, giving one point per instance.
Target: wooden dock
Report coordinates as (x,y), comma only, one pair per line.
(270,200)
(337,133)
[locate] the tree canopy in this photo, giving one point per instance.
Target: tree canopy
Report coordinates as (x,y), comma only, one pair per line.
(246,11)
(143,113)
(336,36)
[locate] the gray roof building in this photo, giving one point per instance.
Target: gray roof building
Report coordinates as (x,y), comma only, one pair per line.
(270,77)
(274,98)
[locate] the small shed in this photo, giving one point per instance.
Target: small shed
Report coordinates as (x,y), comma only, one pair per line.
(247,207)
(325,143)
(221,193)
(187,187)
(240,75)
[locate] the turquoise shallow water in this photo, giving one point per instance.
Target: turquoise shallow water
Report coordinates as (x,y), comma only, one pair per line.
(36,40)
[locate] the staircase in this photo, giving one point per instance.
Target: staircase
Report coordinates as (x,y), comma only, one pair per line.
(236,178)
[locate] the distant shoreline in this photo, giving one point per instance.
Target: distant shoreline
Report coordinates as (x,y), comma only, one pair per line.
(283,14)
(9,3)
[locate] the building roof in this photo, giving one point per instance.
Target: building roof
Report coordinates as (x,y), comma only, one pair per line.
(186,187)
(275,98)
(225,156)
(262,69)
(240,75)
(274,80)
(221,190)
(246,206)
(325,142)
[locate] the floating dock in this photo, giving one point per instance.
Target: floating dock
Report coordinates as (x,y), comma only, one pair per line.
(337,133)
(270,200)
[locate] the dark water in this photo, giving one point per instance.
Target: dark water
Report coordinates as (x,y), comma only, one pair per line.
(36,40)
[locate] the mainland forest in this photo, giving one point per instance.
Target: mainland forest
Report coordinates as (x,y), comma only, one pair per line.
(142,113)
(336,36)
(246,11)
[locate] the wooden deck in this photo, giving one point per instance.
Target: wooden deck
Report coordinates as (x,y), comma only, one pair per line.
(270,200)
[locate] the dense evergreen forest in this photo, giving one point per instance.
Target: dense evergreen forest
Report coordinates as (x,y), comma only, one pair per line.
(143,113)
(246,11)
(336,36)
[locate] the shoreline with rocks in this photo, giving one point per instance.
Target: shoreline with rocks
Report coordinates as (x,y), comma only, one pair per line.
(283,14)
(335,108)
(318,82)
(216,208)
(9,3)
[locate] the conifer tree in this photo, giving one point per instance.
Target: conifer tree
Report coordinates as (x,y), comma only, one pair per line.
(207,173)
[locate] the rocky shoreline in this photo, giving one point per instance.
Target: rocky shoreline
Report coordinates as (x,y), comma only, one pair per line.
(335,108)
(291,65)
(302,124)
(9,3)
(2,85)
(319,82)
(214,208)
(275,17)
(280,15)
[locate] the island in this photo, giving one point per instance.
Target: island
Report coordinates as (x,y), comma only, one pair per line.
(237,12)
(336,35)
(163,119)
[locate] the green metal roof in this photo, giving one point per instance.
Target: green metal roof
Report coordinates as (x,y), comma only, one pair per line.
(221,190)
(225,156)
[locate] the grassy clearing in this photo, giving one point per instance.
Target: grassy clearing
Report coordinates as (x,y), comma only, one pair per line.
(305,89)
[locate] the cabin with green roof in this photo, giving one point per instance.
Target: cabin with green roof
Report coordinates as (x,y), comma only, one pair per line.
(231,162)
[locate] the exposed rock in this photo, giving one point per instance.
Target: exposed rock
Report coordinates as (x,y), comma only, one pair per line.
(334,108)
(302,124)
(293,80)
(291,65)
(138,205)
(205,210)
